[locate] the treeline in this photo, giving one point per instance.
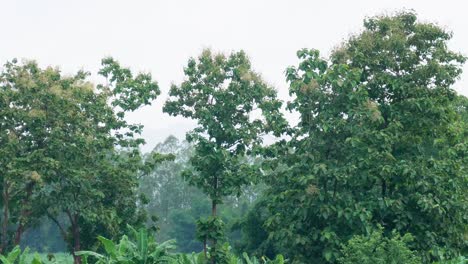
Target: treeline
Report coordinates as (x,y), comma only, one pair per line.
(377,160)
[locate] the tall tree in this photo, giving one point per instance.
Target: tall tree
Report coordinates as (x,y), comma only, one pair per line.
(23,106)
(378,143)
(68,135)
(233,107)
(91,170)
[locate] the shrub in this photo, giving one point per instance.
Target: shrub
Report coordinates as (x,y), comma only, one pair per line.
(377,249)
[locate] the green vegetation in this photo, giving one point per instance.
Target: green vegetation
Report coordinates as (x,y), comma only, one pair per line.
(379,143)
(376,248)
(221,93)
(375,171)
(25,257)
(49,258)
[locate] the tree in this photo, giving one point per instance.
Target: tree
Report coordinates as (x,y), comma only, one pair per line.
(233,108)
(378,143)
(71,139)
(95,181)
(24,127)
(177,205)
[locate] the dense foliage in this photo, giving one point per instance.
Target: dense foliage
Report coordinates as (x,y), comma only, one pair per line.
(375,171)
(379,142)
(376,248)
(65,147)
(222,93)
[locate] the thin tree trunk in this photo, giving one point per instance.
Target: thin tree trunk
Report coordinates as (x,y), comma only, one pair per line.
(75,236)
(204,248)
(76,243)
(19,233)
(213,213)
(6,214)
(25,213)
(213,208)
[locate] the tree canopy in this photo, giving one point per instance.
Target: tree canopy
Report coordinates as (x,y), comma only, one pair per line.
(375,171)
(378,143)
(233,107)
(69,148)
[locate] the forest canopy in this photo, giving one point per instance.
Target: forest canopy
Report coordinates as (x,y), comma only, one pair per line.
(375,171)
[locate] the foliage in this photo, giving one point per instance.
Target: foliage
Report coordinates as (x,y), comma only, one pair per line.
(50,258)
(23,142)
(165,191)
(210,229)
(459,260)
(381,144)
(139,248)
(177,205)
(254,239)
(222,94)
(63,135)
(164,187)
(378,142)
(229,258)
(193,258)
(183,226)
(16,256)
(376,248)
(279,259)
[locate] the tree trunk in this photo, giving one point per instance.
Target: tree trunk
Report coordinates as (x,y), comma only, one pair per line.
(213,213)
(204,248)
(25,213)
(6,205)
(19,233)
(76,246)
(213,208)
(76,240)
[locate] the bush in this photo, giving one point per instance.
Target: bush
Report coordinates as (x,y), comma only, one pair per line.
(377,249)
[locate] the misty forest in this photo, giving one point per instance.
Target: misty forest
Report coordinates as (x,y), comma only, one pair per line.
(374,169)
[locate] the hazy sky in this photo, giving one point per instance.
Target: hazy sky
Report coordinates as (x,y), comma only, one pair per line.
(159,36)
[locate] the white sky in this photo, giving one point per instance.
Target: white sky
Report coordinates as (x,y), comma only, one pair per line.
(160,36)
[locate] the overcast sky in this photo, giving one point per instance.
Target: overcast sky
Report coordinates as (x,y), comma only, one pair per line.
(159,36)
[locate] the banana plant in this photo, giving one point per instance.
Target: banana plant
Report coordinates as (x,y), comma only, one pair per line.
(140,248)
(278,260)
(193,258)
(199,259)
(263,260)
(15,254)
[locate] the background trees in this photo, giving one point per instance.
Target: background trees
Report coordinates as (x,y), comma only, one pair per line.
(378,156)
(178,205)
